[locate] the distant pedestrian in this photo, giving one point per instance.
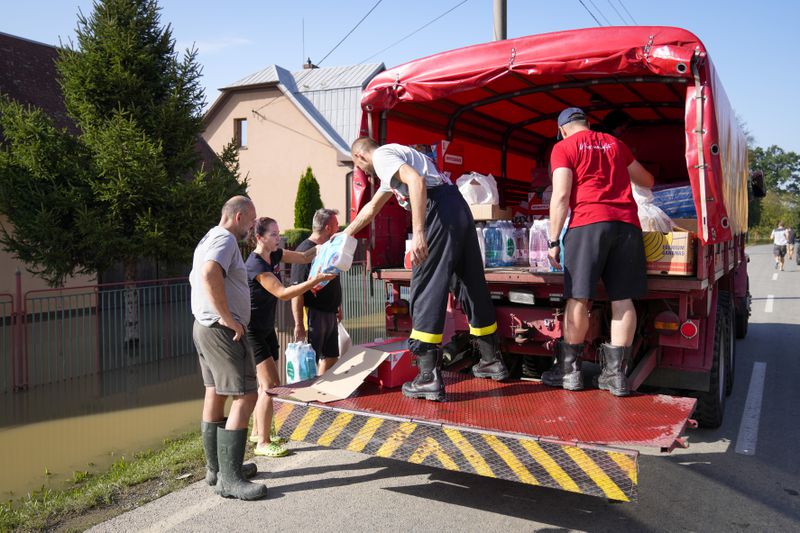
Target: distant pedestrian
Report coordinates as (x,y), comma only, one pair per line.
(266,288)
(319,312)
(221,308)
(780,243)
(790,242)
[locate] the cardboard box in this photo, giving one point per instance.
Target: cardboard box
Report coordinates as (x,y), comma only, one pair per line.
(489,212)
(339,381)
(397,368)
(670,253)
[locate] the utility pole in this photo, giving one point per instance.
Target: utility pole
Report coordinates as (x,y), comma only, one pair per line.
(500,12)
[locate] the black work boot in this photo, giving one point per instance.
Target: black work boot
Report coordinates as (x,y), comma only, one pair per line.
(208,430)
(429,383)
(491,364)
(615,360)
(230,482)
(566,371)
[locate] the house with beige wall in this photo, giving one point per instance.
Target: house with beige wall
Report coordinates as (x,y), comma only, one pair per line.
(287,121)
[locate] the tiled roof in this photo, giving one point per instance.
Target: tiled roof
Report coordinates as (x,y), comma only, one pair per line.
(28,75)
(330,97)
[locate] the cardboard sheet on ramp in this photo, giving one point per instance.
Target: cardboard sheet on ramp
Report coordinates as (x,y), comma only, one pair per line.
(340,381)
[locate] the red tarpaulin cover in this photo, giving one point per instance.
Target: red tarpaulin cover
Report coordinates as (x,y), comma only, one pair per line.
(433,94)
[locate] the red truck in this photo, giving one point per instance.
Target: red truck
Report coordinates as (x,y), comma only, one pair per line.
(491,108)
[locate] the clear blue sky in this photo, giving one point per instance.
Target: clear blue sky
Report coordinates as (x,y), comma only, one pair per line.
(753,44)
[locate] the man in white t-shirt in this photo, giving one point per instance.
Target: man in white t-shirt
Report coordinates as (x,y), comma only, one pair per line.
(221,308)
(445,256)
(780,239)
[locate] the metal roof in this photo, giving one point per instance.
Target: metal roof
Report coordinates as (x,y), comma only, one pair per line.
(330,97)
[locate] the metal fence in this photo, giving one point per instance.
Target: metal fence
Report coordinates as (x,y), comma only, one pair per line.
(60,334)
(7,339)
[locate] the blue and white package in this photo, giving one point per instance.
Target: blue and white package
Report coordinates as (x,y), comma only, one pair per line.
(676,202)
(334,256)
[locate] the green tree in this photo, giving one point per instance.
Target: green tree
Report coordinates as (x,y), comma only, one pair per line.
(781,169)
(131,185)
(307,201)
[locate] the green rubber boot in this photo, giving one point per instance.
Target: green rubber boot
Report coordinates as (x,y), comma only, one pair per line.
(208,430)
(230,482)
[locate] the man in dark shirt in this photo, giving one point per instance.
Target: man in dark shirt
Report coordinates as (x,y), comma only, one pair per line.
(321,311)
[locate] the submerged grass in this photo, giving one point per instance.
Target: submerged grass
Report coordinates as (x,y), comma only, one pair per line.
(178,463)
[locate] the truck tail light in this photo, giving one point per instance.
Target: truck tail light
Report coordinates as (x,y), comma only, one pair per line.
(689,329)
(667,323)
(399,308)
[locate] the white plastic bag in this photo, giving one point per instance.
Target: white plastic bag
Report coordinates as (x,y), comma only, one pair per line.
(345,343)
(651,217)
(478,189)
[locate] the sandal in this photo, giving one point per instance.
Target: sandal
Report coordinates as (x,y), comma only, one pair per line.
(273,435)
(272,449)
(253,438)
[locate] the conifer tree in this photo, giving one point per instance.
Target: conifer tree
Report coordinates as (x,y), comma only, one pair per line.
(308,200)
(130,185)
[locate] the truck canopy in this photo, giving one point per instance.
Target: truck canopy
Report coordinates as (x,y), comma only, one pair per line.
(498,103)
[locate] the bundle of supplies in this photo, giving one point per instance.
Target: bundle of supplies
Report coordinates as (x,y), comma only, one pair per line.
(478,189)
(301,362)
(334,256)
(676,202)
(651,217)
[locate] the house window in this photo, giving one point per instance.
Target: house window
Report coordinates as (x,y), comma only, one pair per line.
(240,132)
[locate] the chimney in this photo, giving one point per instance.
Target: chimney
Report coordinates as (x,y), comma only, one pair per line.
(309,65)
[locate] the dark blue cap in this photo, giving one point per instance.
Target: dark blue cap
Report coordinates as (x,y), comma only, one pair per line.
(568,115)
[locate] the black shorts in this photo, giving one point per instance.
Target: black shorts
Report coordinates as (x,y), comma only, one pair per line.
(779,250)
(323,333)
(611,251)
(264,344)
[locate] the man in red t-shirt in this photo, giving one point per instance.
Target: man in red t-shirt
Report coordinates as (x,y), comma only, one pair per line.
(592,174)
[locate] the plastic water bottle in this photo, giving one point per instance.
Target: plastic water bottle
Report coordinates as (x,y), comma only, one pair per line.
(293,363)
(538,246)
(308,361)
(509,246)
(521,241)
(493,243)
(481,242)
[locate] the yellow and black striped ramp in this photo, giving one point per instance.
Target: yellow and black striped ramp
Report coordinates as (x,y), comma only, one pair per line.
(597,471)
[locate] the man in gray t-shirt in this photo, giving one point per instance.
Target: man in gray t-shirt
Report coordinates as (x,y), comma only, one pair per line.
(445,256)
(221,307)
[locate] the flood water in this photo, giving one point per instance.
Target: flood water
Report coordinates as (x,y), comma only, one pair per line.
(86,424)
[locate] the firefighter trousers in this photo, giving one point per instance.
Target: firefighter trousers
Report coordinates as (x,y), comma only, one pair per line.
(454,264)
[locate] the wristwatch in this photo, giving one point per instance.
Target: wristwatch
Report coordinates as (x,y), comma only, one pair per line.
(553,244)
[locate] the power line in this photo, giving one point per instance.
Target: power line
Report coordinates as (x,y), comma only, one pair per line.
(601,13)
(590,13)
(415,31)
(351,31)
(617,12)
(628,12)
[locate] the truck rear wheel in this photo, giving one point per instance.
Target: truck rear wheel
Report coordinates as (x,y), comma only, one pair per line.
(726,301)
(711,404)
(742,310)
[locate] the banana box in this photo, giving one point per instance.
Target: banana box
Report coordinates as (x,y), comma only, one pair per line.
(670,253)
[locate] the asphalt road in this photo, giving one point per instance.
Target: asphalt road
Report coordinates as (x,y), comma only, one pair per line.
(707,487)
